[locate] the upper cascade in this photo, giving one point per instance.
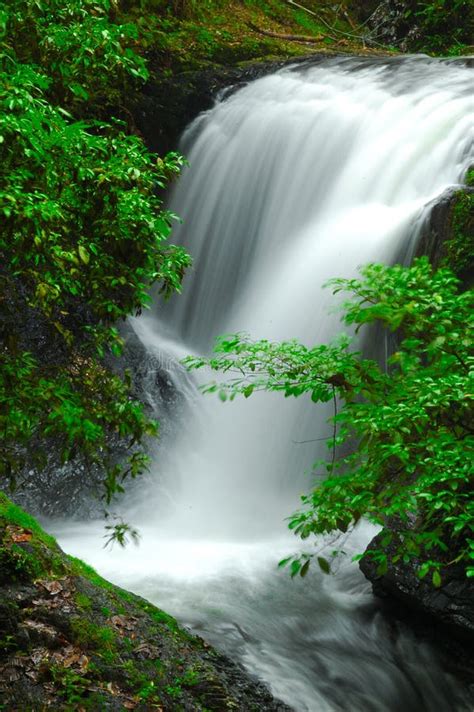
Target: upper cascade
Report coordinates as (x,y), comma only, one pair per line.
(306,174)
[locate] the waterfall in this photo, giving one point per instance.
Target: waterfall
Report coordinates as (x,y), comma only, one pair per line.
(297,177)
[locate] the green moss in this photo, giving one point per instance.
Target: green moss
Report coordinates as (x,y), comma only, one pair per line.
(8,643)
(21,563)
(174,690)
(70,686)
(469,179)
(14,515)
(90,635)
(190,678)
(216,33)
(162,617)
(460,248)
(83,601)
(148,692)
(35,555)
(80,568)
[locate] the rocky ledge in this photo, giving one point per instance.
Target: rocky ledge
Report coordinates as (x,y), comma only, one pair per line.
(445,615)
(71,640)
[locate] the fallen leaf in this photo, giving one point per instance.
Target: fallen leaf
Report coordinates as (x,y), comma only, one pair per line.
(147,651)
(11,674)
(113,689)
(124,622)
(21,536)
(70,660)
(43,630)
(37,655)
(83,663)
(18,661)
(54,587)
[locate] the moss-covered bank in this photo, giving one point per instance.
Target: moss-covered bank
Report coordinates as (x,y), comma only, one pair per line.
(69,640)
(449,236)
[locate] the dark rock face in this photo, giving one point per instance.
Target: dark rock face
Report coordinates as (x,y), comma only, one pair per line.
(448,234)
(437,230)
(75,489)
(444,615)
(452,605)
(441,228)
(168,105)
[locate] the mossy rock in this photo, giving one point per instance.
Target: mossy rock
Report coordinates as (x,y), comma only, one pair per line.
(70,640)
(460,246)
(448,237)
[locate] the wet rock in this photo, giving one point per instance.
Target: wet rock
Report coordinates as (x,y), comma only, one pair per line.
(441,230)
(70,640)
(444,615)
(448,235)
(74,488)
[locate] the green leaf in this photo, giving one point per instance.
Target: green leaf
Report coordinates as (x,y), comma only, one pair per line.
(295,568)
(83,254)
(304,569)
(324,565)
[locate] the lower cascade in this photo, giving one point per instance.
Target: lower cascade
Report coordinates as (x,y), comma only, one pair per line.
(296,178)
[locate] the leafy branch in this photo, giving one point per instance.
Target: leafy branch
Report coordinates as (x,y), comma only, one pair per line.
(408,429)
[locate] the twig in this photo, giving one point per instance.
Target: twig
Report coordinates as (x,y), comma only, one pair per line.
(334,431)
(314,440)
(290,38)
(361,38)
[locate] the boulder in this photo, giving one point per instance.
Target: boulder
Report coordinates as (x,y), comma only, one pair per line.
(71,640)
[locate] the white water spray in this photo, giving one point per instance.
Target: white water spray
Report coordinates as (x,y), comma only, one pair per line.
(296,178)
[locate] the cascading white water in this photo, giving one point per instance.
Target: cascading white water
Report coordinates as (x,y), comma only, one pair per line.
(293,179)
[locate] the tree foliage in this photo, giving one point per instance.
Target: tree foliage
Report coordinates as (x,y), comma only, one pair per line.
(83,235)
(437,26)
(409,429)
(442,25)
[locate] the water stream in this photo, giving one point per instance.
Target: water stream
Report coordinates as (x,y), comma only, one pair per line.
(295,178)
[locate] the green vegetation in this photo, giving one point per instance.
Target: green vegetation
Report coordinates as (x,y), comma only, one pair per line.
(83,236)
(24,555)
(408,428)
(438,27)
(443,26)
(196,35)
(191,35)
(460,247)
